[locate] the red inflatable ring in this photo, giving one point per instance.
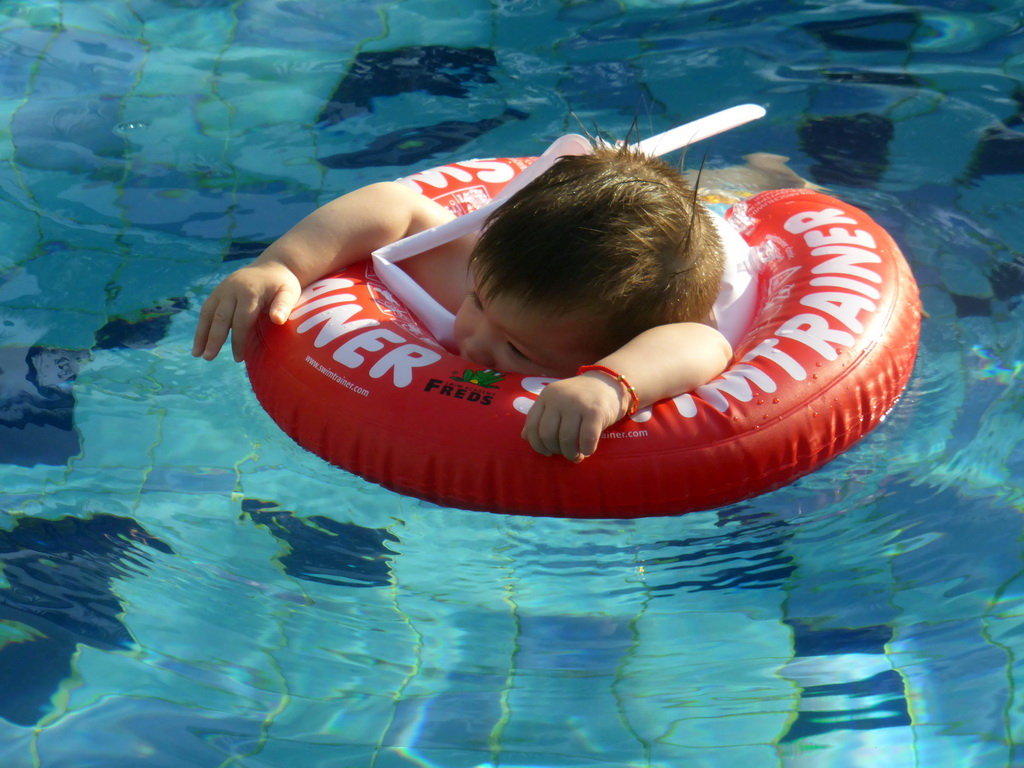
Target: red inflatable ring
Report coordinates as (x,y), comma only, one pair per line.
(354,378)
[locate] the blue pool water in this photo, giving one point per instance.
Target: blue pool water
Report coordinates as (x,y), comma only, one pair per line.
(181,586)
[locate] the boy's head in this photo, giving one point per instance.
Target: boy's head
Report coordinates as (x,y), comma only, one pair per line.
(616,235)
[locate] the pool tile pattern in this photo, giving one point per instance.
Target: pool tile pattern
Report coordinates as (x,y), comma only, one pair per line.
(154,145)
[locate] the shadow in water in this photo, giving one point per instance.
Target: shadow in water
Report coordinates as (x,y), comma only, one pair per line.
(324,550)
(58,596)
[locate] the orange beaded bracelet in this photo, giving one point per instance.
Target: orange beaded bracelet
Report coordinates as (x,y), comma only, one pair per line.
(634,401)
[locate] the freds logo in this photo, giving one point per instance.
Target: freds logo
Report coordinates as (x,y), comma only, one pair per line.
(471,386)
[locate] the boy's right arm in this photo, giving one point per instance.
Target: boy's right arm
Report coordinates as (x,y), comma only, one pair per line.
(662,362)
(340,233)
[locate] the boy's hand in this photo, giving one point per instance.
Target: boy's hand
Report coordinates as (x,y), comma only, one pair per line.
(570,415)
(235,304)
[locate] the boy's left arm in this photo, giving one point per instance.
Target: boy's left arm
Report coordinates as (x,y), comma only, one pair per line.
(570,415)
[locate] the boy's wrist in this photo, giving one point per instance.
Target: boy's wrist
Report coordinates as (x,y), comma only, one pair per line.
(278,258)
(628,400)
(279,254)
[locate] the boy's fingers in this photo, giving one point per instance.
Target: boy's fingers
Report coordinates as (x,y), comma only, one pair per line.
(558,433)
(242,321)
(569,437)
(590,436)
(549,432)
(206,313)
(283,303)
(532,430)
(217,323)
(202,334)
(234,306)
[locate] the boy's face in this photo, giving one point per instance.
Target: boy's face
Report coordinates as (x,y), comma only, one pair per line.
(504,335)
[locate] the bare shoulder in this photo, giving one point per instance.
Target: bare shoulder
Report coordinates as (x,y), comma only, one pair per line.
(442,271)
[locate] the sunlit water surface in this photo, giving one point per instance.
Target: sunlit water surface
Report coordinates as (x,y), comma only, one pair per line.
(182,586)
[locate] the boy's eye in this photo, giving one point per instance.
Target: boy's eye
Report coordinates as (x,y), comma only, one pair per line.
(516,351)
(476,300)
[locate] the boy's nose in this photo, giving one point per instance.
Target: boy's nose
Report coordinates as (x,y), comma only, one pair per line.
(479,349)
(479,353)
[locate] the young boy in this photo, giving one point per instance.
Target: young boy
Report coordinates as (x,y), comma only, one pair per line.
(603,272)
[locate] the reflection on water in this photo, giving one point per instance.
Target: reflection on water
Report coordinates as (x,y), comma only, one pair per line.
(181,582)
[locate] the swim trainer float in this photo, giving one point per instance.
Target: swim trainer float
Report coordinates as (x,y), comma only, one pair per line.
(355,378)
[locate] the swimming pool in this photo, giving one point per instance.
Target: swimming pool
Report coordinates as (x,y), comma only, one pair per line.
(182,586)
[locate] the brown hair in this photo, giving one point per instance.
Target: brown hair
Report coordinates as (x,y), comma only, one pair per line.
(616,233)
